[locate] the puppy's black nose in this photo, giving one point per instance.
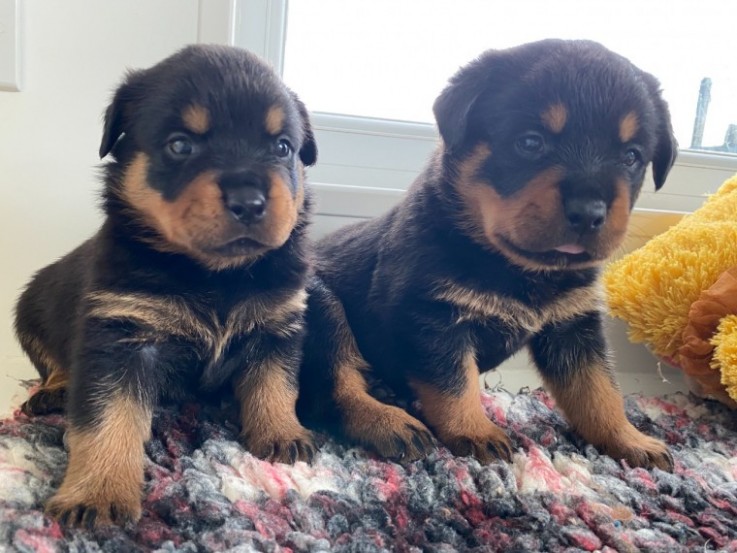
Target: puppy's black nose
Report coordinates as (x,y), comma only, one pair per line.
(585,215)
(246,203)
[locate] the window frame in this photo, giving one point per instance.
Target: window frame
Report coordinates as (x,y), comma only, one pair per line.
(365,163)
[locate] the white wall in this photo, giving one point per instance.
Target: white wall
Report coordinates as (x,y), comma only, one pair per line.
(74,54)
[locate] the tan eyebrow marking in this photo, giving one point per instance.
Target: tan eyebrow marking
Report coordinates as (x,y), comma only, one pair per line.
(196,118)
(274,122)
(629,126)
(554,118)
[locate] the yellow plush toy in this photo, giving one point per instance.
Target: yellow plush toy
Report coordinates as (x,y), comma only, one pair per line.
(678,293)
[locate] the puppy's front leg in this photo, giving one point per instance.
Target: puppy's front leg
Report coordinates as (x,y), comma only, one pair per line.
(451,404)
(267,392)
(334,389)
(573,360)
(109,419)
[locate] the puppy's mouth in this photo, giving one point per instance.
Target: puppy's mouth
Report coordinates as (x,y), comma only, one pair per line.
(239,247)
(559,256)
(570,249)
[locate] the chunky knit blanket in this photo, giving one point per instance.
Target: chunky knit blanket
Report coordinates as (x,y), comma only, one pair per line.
(203,492)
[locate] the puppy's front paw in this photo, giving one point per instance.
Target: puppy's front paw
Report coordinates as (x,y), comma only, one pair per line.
(83,509)
(487,444)
(389,431)
(298,445)
(640,450)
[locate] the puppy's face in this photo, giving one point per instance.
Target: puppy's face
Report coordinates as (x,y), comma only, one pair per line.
(546,146)
(210,148)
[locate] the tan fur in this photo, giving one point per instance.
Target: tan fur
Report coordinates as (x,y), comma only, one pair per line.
(163,316)
(477,306)
(366,419)
(456,417)
(522,218)
(366,416)
(387,429)
(274,122)
(555,117)
(57,379)
(282,210)
(55,375)
(530,217)
(268,401)
(348,353)
(535,211)
(196,220)
(166,315)
(480,201)
(196,118)
(619,212)
(595,408)
(628,126)
(106,463)
(197,210)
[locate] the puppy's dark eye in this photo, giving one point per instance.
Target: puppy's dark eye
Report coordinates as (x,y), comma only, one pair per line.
(631,157)
(283,148)
(180,146)
(530,144)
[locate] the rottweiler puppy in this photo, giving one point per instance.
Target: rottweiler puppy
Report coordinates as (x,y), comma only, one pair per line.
(194,283)
(497,246)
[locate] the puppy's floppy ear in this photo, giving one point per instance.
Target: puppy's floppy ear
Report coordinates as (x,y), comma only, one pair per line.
(666,148)
(453,107)
(308,151)
(117,115)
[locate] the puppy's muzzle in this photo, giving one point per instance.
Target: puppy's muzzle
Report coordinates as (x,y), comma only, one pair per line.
(244,198)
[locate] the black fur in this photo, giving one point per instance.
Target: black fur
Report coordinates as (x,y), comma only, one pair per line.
(388,275)
(144,355)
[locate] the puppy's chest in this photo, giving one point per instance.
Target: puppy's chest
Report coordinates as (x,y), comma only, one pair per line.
(198,322)
(515,316)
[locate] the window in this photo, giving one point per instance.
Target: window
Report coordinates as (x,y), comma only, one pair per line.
(394,57)
(370,71)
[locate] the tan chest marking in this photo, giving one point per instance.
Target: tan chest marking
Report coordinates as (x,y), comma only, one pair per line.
(160,317)
(472,305)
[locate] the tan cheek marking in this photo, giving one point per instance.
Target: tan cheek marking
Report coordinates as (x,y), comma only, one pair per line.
(629,126)
(274,122)
(555,117)
(196,118)
(619,213)
(475,194)
(469,167)
(534,210)
(195,215)
(300,188)
(281,211)
(531,211)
